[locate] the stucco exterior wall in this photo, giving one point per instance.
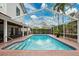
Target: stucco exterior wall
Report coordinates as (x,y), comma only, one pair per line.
(10,10)
(3,8)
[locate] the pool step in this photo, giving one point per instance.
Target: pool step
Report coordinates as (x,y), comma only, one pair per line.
(17,46)
(22,46)
(26,46)
(9,48)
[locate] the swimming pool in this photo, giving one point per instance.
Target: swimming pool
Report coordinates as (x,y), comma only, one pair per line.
(40,42)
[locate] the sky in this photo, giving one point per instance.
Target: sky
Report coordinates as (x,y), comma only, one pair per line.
(30,7)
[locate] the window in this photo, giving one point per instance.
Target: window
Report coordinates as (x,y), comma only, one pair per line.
(0,5)
(17,11)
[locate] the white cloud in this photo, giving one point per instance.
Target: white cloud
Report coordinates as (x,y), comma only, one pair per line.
(34,17)
(43,6)
(29,7)
(41,22)
(77,3)
(69,11)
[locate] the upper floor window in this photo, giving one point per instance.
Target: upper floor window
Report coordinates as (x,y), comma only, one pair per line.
(1,5)
(17,11)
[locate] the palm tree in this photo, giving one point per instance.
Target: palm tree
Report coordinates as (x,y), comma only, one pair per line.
(58,7)
(61,7)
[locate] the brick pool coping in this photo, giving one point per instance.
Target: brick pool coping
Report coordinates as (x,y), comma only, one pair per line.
(38,53)
(41,52)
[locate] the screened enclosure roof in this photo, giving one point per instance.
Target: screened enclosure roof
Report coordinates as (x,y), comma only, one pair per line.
(44,17)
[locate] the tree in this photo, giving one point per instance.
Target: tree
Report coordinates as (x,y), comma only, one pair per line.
(60,7)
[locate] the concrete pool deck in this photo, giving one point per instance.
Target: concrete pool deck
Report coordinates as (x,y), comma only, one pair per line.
(40,53)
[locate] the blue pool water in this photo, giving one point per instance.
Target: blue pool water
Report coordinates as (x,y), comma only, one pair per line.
(40,42)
